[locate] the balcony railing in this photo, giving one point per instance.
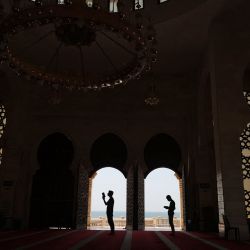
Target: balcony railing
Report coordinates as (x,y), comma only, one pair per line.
(121,222)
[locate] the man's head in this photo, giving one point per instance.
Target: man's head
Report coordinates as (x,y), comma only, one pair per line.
(169,198)
(110,193)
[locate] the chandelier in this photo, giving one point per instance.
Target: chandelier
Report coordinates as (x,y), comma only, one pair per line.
(79,32)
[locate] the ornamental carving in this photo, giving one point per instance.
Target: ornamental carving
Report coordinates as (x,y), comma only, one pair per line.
(3,121)
(245,156)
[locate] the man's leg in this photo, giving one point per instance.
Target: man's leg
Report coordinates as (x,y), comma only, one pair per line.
(111,224)
(171,218)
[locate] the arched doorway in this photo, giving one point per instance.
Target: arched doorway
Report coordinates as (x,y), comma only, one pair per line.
(162,151)
(159,183)
(108,153)
(101,182)
(52,193)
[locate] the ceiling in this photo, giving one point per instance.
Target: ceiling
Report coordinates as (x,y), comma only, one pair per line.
(181,31)
(182,41)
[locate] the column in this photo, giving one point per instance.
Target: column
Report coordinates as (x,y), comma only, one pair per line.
(89,197)
(130,195)
(82,199)
(135,198)
(181,201)
(141,195)
(228,105)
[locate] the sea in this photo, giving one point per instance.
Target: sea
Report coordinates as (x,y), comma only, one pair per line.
(119,214)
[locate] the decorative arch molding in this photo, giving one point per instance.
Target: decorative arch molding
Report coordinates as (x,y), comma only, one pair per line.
(162,150)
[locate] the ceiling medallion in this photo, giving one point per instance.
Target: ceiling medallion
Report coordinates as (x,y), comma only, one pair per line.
(76,25)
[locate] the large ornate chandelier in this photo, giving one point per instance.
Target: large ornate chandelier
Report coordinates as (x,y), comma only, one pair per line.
(76,29)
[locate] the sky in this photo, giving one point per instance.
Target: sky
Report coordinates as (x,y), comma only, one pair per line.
(105,180)
(158,184)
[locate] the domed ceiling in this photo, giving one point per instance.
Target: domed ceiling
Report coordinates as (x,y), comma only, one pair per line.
(180,28)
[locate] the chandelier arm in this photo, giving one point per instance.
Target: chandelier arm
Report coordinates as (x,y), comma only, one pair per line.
(106,56)
(38,40)
(117,43)
(82,64)
(54,55)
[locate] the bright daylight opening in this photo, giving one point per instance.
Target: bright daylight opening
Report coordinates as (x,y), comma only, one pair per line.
(158,184)
(103,180)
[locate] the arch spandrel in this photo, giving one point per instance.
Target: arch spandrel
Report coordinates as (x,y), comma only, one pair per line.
(162,150)
(108,150)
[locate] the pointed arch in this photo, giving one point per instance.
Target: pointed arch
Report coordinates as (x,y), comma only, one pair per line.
(109,150)
(162,150)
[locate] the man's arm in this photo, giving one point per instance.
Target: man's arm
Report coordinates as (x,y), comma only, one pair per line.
(106,203)
(167,207)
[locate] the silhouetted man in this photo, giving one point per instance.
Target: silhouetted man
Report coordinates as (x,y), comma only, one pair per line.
(171,209)
(110,206)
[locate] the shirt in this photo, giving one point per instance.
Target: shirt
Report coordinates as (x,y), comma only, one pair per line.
(110,206)
(171,207)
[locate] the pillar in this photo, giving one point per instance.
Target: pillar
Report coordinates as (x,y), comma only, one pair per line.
(228,106)
(181,201)
(141,196)
(82,198)
(135,198)
(89,197)
(130,195)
